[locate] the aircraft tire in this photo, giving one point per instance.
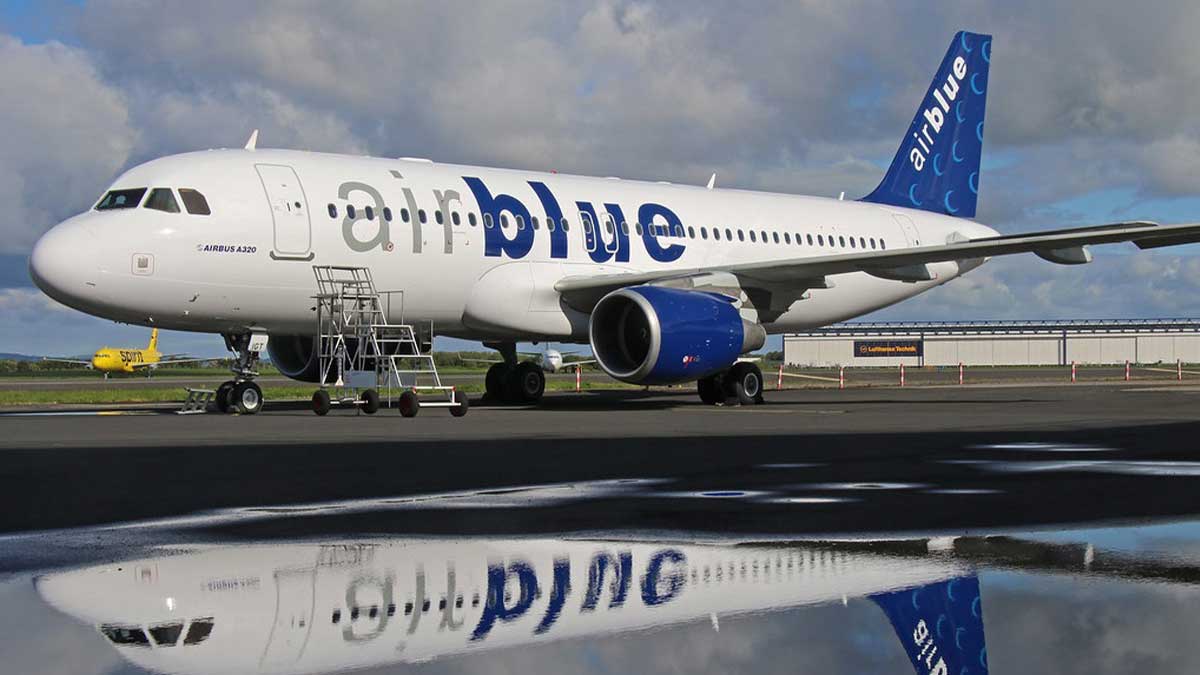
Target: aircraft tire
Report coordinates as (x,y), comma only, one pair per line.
(370,401)
(709,389)
(744,384)
(408,404)
(321,403)
(493,383)
(526,383)
(247,398)
(221,399)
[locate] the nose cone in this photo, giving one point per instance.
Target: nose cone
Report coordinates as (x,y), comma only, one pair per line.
(61,264)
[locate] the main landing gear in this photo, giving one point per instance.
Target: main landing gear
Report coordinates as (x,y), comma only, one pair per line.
(512,382)
(742,384)
(242,394)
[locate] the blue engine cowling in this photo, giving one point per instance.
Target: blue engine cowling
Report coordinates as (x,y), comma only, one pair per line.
(656,335)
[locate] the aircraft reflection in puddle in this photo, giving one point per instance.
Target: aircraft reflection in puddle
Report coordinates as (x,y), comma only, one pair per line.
(311,608)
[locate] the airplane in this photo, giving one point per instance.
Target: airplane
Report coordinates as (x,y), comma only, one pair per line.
(313,607)
(666,283)
(299,608)
(549,360)
(127,360)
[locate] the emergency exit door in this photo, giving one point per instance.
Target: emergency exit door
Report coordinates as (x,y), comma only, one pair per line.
(289,212)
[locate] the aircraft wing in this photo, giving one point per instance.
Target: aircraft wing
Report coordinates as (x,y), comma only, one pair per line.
(57,360)
(164,362)
(905,264)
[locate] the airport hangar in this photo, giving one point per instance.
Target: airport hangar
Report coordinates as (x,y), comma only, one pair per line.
(996,343)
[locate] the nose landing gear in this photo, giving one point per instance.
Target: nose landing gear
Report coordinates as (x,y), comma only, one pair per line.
(242,394)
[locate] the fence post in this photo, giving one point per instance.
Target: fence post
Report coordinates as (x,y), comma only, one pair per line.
(1073,370)
(578,377)
(1126,370)
(901,374)
(841,377)
(960,372)
(1179,370)
(779,382)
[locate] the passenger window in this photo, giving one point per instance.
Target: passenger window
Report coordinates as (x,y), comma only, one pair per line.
(841,241)
(716,234)
(703,233)
(883,244)
(787,238)
(625,227)
(862,243)
(121,199)
(387,213)
(775,235)
(421,215)
(565,225)
(820,240)
(872,240)
(437,216)
(810,240)
(587,221)
(404,215)
(369,211)
(533,220)
(162,199)
(520,222)
(350,212)
(332,211)
(550,224)
(679,230)
(471,219)
(195,203)
(729,234)
(638,227)
(752,238)
(691,232)
(851,242)
(455,219)
(487,220)
(504,221)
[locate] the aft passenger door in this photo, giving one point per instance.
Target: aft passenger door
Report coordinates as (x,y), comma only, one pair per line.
(289,212)
(911,235)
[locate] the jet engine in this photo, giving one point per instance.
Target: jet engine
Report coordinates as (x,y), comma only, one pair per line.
(657,335)
(295,356)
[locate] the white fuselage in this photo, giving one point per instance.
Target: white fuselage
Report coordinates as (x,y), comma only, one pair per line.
(275,213)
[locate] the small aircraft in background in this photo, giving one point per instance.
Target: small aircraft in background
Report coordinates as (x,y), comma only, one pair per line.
(121,360)
(550,360)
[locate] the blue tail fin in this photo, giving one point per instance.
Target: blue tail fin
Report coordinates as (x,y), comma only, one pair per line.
(940,626)
(937,166)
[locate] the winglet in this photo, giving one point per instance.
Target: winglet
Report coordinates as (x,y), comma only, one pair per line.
(712,182)
(253,142)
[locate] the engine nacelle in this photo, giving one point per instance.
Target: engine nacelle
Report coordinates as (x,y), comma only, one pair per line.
(295,356)
(657,335)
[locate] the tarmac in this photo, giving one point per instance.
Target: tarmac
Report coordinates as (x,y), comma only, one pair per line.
(860,460)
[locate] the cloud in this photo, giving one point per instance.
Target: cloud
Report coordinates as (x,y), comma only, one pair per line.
(67,133)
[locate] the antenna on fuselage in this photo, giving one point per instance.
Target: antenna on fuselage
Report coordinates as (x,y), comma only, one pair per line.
(712,181)
(253,142)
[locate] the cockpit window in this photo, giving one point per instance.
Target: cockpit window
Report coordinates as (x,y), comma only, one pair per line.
(125,635)
(167,634)
(121,199)
(162,199)
(199,630)
(194,202)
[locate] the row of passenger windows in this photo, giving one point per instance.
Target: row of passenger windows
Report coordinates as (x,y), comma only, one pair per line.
(160,199)
(718,234)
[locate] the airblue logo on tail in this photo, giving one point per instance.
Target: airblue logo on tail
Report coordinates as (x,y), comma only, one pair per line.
(940,626)
(937,166)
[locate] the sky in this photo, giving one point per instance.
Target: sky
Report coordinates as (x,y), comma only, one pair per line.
(1091,116)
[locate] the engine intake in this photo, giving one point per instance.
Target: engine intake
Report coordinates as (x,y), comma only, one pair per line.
(295,356)
(657,335)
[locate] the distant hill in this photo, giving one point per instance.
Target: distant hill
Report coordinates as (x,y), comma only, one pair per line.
(18,357)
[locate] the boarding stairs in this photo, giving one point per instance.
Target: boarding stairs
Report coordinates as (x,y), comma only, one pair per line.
(364,359)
